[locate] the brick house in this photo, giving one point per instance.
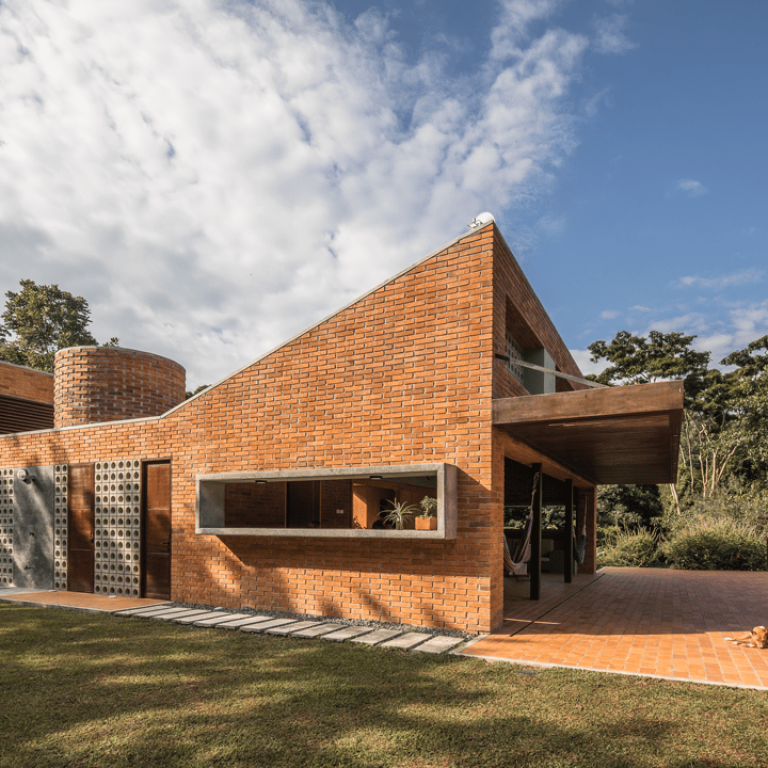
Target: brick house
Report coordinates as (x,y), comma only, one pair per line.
(448,381)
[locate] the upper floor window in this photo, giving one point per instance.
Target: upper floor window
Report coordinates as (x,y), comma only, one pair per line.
(514,353)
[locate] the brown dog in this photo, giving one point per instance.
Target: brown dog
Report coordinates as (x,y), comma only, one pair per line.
(757,638)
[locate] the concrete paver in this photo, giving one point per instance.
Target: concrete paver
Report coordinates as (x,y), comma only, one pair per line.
(347,633)
(406,641)
(439,644)
(248,620)
(377,636)
(153,613)
(194,618)
(264,625)
(289,629)
(322,628)
(184,614)
(222,618)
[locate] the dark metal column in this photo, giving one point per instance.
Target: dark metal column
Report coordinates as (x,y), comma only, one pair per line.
(535,561)
(568,537)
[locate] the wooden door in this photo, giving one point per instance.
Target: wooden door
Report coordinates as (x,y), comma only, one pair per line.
(156,525)
(81,527)
(303,504)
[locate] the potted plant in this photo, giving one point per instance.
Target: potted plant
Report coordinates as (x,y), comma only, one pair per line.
(399,513)
(427,520)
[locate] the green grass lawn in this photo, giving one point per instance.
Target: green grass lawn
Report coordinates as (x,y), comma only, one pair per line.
(85,690)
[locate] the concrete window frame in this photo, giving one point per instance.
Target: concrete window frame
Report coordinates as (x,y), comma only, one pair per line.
(209,507)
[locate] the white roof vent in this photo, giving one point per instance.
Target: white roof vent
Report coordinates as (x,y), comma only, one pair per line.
(481,220)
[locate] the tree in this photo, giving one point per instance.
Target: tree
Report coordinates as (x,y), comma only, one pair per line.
(725,422)
(39,320)
(630,506)
(746,414)
(662,356)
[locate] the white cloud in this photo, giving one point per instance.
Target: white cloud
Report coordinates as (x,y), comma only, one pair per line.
(586,366)
(215,176)
(691,187)
(692,323)
(750,322)
(609,35)
(609,314)
(745,277)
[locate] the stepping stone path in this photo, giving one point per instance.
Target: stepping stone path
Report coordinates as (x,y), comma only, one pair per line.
(407,641)
(421,642)
(316,631)
(289,629)
(439,644)
(240,623)
(193,618)
(222,618)
(347,633)
(265,625)
(377,636)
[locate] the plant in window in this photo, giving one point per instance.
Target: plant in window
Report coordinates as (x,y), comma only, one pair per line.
(428,507)
(399,513)
(427,520)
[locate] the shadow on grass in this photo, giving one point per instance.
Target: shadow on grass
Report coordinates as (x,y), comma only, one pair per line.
(103,691)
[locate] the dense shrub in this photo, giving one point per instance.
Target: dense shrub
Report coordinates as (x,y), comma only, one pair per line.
(628,549)
(715,545)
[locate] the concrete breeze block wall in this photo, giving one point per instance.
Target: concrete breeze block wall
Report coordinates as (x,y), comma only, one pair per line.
(26,383)
(98,384)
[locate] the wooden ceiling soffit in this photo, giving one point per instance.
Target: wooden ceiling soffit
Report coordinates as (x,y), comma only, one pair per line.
(627,434)
(522,452)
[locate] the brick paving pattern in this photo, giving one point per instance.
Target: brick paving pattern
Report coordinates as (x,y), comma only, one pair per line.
(655,622)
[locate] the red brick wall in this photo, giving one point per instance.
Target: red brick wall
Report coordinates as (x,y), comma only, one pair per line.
(98,384)
(403,376)
(26,383)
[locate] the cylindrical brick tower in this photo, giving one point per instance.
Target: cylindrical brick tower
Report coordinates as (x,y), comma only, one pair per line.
(97,384)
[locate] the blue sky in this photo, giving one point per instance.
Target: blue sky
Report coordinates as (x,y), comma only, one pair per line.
(216,176)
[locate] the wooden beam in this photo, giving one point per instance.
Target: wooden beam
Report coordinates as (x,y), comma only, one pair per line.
(611,402)
(523,453)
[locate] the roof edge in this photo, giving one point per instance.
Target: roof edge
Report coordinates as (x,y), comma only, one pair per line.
(472,233)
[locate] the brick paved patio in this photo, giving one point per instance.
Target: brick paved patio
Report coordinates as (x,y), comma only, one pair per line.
(655,622)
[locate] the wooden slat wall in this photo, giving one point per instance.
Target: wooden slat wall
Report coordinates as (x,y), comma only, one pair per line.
(17,415)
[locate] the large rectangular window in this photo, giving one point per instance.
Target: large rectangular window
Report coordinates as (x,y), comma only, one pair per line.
(345,503)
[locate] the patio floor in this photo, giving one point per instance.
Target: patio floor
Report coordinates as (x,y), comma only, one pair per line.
(81,601)
(639,621)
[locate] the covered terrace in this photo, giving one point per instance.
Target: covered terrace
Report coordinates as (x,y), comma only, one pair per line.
(575,441)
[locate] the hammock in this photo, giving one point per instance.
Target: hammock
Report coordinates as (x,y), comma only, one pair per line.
(518,565)
(580,549)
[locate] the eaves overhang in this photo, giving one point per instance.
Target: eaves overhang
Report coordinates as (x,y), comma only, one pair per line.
(615,435)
